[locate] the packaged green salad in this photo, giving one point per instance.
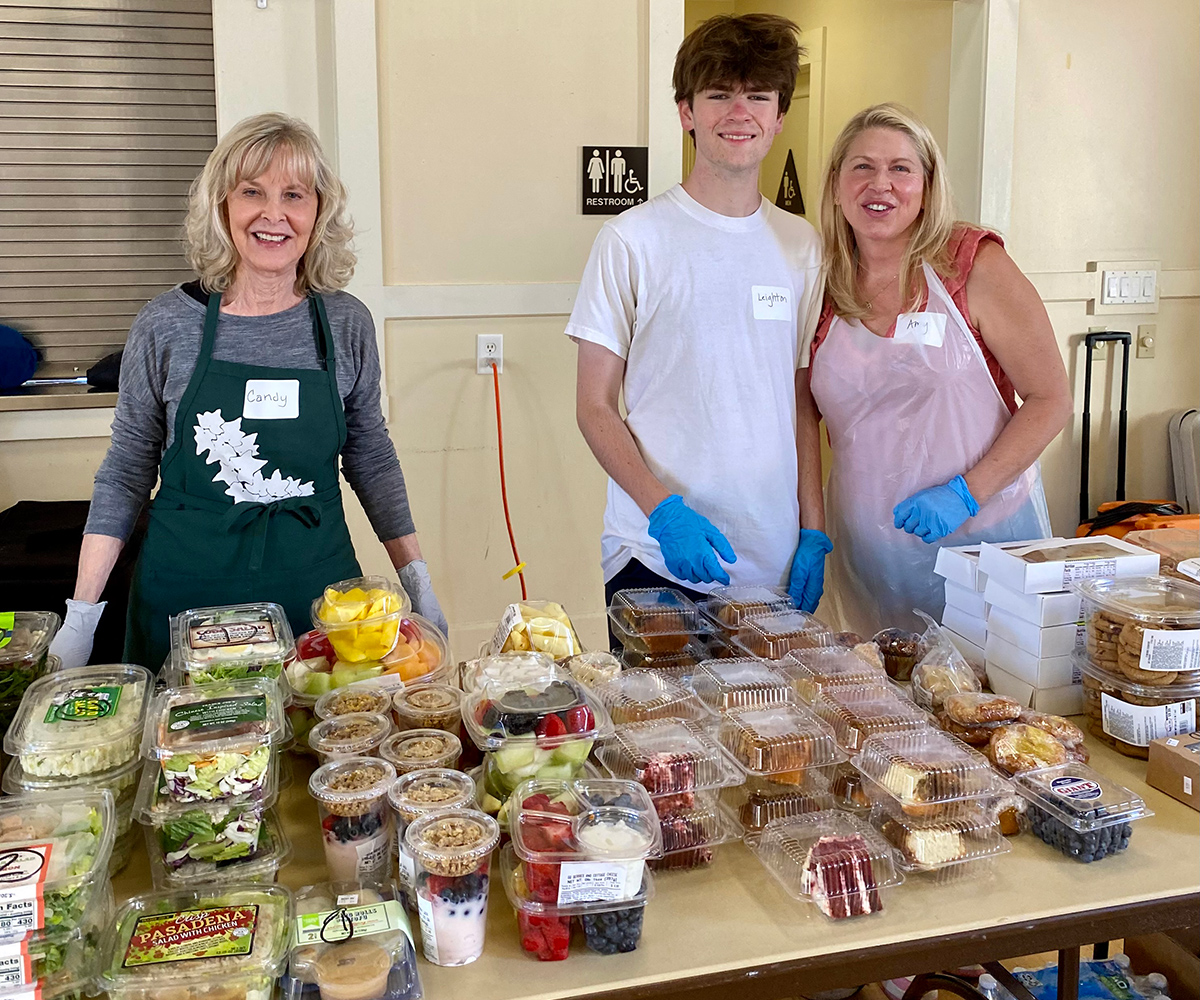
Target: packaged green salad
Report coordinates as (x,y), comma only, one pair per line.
(228,643)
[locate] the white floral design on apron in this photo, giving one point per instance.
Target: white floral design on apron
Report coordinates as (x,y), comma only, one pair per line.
(240,468)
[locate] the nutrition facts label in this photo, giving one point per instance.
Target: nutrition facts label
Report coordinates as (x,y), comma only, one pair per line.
(1087,569)
(1137,725)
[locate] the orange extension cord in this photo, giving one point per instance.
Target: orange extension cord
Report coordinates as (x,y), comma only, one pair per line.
(512,539)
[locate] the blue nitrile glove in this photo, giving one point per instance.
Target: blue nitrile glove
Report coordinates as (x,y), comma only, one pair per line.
(690,542)
(936,512)
(807,580)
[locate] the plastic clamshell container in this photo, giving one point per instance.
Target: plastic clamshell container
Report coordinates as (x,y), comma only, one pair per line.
(81,721)
(655,619)
(56,847)
(243,946)
(155,807)
(428,706)
(724,685)
(226,643)
(365,696)
(1139,614)
(834,860)
(706,823)
(361,616)
(269,851)
(1123,713)
(930,845)
(593,668)
(557,821)
(1079,811)
(678,662)
(417,792)
(415,749)
(502,711)
(23,658)
(357,734)
(121,781)
(773,636)
(927,768)
(761,800)
(351,941)
(667,756)
(1173,545)
(811,670)
(778,739)
(643,694)
(857,713)
(515,669)
(725,607)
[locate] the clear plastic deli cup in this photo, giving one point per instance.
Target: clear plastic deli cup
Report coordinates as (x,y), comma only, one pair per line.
(24,646)
(227,643)
(188,942)
(351,941)
(1144,629)
(361,616)
(416,749)
(1127,715)
(452,849)
(428,706)
(781,740)
(215,741)
(666,756)
(356,819)
(514,668)
(357,734)
(725,607)
(761,800)
(655,620)
(772,636)
(365,696)
(226,857)
(594,667)
(416,793)
(812,670)
(723,685)
(81,721)
(643,694)
(858,713)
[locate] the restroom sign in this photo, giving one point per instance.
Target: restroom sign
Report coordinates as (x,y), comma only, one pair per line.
(614,178)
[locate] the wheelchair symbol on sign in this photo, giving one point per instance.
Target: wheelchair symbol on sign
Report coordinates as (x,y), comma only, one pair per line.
(632,184)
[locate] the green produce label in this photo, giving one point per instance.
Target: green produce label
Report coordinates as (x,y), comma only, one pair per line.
(8,620)
(351,921)
(84,704)
(219,713)
(213,932)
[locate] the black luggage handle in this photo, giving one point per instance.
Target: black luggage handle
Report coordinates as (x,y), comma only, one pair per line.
(1090,341)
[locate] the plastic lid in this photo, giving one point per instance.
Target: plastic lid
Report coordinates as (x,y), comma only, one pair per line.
(244,846)
(778,739)
(365,696)
(452,842)
(506,668)
(1150,600)
(727,606)
(25,640)
(516,887)
(1080,797)
(361,616)
(227,717)
(351,782)
(80,721)
(655,611)
(933,844)
(810,670)
(774,635)
(1173,544)
(727,684)
(593,668)
(834,860)
(555,708)
(586,819)
(858,713)
(639,695)
(761,800)
(355,735)
(428,706)
(154,806)
(926,767)
(243,943)
(421,791)
(667,755)
(415,749)
(233,641)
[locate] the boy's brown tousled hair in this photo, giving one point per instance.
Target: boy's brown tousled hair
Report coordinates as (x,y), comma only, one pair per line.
(757,51)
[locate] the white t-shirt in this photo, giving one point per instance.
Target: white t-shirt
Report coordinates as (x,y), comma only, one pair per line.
(713,315)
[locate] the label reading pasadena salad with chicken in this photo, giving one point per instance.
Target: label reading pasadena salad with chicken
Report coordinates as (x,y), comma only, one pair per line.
(212,932)
(233,634)
(217,713)
(85,704)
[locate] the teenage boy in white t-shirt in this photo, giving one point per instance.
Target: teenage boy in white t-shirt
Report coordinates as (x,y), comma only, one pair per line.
(699,305)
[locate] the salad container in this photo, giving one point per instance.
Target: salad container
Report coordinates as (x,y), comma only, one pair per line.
(726,607)
(536,626)
(782,741)
(428,706)
(812,670)
(857,713)
(723,685)
(225,844)
(642,694)
(357,734)
(655,620)
(351,941)
(418,749)
(416,793)
(772,636)
(121,781)
(365,696)
(80,722)
(229,643)
(356,819)
(184,942)
(361,617)
(24,649)
(668,756)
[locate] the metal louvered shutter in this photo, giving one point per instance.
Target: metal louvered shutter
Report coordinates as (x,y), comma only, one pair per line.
(107,113)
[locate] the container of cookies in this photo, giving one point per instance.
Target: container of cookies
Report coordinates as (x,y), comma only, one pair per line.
(666,756)
(761,799)
(723,685)
(832,859)
(772,636)
(1127,715)
(1079,811)
(725,607)
(926,770)
(365,696)
(782,741)
(1146,629)
(810,670)
(855,714)
(643,694)
(655,619)
(594,667)
(957,846)
(414,749)
(428,706)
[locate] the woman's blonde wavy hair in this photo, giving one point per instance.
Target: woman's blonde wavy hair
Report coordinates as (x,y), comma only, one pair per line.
(930,241)
(246,151)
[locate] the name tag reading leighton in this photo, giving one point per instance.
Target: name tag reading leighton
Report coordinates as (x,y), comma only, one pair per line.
(772,302)
(271,399)
(927,329)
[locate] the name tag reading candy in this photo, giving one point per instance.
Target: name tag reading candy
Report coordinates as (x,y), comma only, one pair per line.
(271,399)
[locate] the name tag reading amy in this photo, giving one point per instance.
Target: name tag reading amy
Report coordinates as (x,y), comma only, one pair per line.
(927,329)
(271,399)
(772,302)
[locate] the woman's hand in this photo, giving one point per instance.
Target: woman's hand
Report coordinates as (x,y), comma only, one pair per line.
(414,577)
(73,642)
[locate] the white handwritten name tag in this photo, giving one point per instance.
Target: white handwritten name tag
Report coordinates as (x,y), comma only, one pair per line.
(772,302)
(928,329)
(271,399)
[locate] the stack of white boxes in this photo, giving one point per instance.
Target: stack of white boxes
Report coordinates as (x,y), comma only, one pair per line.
(1033,623)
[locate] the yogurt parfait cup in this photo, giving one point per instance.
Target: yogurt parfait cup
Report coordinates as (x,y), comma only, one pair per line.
(358,734)
(419,792)
(417,749)
(356,819)
(452,849)
(365,696)
(429,706)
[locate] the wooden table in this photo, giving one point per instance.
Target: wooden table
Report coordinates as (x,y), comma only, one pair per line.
(731,931)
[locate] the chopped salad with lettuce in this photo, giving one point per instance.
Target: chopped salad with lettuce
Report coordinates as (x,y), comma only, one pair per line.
(213,836)
(231,643)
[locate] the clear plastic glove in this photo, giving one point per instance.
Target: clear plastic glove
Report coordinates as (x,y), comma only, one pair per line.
(73,642)
(806,583)
(690,542)
(939,511)
(414,577)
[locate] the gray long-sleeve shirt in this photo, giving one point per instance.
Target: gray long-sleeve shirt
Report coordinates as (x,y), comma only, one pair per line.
(160,356)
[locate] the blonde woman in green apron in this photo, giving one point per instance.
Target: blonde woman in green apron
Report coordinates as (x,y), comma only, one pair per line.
(241,392)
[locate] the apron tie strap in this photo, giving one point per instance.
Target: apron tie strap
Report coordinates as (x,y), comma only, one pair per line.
(307,510)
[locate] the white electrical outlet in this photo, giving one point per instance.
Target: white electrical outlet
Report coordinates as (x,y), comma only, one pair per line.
(489,350)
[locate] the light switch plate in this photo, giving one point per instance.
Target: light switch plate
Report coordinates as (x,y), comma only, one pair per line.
(1124,286)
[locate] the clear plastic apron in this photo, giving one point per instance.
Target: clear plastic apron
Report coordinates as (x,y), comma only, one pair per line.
(903,416)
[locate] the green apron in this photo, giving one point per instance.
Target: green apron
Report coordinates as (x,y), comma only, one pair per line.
(204,549)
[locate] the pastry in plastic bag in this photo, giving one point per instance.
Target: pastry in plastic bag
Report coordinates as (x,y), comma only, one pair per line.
(976,736)
(941,673)
(538,626)
(975,709)
(1018,748)
(1063,730)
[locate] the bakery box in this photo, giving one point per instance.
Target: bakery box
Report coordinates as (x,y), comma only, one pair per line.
(970,602)
(1056,700)
(1042,610)
(1054,640)
(1174,767)
(1056,563)
(971,652)
(968,626)
(1040,671)
(960,564)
